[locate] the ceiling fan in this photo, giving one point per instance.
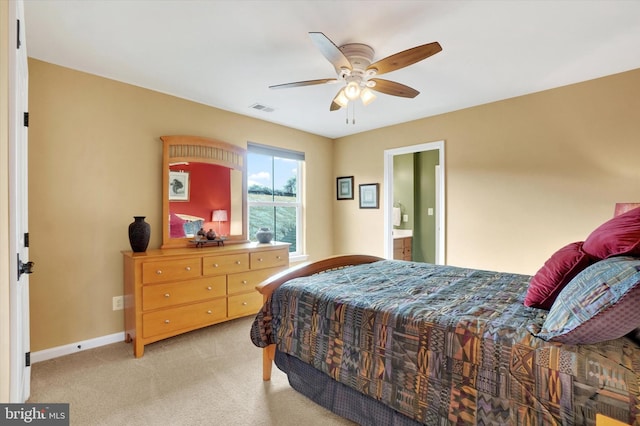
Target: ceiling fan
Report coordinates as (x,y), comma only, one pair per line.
(353,64)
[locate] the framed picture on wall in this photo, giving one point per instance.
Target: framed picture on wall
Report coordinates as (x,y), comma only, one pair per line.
(178,186)
(344,190)
(369,195)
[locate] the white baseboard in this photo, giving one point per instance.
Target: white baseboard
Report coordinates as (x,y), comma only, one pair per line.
(76,347)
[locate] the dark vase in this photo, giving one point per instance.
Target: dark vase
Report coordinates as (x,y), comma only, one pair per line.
(264,235)
(139,234)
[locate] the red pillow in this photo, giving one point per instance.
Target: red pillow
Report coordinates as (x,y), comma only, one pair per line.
(616,237)
(555,274)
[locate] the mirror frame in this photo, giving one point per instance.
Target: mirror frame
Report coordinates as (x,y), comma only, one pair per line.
(180,148)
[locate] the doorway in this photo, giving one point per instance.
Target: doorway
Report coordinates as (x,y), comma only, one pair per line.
(420,210)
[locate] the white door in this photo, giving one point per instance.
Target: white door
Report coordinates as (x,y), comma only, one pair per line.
(18,212)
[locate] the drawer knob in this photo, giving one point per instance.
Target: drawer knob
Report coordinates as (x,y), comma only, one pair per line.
(159,272)
(209,288)
(278,257)
(244,281)
(188,268)
(167,295)
(260,259)
(244,303)
(237,262)
(209,311)
(167,321)
(215,265)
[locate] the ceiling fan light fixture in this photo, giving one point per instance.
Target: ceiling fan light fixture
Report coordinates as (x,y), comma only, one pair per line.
(341,99)
(367,96)
(352,91)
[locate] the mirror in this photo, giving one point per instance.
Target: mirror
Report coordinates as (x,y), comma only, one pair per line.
(204,186)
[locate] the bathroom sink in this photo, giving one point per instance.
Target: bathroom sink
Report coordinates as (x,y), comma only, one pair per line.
(402,233)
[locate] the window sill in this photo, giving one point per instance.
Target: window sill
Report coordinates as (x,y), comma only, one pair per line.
(297,258)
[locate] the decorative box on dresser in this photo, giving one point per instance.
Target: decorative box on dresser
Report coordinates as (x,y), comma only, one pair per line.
(172,291)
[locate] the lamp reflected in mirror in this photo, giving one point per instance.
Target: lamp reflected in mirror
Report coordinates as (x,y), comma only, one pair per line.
(219,216)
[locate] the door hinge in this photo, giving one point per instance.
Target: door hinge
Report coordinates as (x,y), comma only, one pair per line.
(27,359)
(26,119)
(18,35)
(24,268)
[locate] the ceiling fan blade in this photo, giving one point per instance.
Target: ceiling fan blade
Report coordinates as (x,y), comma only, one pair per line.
(330,51)
(304,83)
(405,58)
(393,88)
(334,106)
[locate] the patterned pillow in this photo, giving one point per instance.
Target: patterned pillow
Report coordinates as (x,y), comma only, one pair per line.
(600,303)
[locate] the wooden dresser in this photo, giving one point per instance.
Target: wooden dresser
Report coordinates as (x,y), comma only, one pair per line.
(402,248)
(172,291)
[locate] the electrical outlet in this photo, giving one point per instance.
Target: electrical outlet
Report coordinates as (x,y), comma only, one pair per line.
(118,303)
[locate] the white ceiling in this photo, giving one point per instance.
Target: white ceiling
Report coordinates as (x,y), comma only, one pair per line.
(226,53)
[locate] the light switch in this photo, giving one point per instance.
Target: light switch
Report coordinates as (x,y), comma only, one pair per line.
(430,211)
(405,218)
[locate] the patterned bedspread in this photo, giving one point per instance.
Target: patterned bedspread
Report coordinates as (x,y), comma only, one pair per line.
(447,345)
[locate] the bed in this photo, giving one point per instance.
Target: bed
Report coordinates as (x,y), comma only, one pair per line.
(402,343)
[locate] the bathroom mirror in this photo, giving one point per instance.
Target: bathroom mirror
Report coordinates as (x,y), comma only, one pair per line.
(204,186)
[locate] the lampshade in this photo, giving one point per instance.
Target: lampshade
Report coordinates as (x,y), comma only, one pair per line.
(352,91)
(367,96)
(624,207)
(341,99)
(219,216)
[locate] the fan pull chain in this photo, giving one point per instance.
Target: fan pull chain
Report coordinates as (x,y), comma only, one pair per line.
(353,113)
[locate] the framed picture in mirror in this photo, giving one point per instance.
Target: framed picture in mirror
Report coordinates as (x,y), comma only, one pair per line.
(178,186)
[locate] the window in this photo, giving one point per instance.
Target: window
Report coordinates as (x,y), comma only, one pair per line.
(275,194)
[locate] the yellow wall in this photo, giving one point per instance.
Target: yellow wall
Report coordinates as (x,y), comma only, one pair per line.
(524,176)
(95,162)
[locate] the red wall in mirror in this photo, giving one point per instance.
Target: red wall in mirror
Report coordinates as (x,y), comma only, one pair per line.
(208,190)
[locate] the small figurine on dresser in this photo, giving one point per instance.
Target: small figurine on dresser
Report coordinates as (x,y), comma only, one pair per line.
(201,235)
(211,235)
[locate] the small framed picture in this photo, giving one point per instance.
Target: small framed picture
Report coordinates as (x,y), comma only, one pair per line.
(344,190)
(369,195)
(178,186)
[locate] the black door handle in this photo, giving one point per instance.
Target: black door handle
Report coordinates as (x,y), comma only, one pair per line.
(24,268)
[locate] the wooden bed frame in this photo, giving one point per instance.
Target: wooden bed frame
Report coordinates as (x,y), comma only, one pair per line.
(267,287)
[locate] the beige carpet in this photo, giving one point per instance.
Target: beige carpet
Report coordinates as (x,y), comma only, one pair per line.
(211,376)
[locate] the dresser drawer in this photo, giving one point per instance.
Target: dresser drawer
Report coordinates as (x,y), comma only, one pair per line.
(171,270)
(247,281)
(189,316)
(244,304)
(227,264)
(164,295)
(269,258)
